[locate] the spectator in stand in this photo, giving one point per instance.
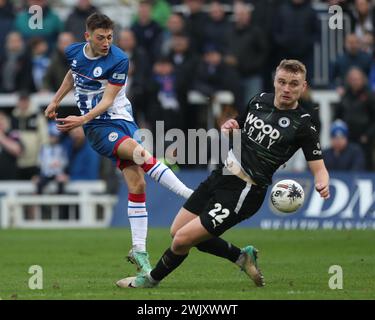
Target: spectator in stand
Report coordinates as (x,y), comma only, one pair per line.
(195,20)
(247,50)
(213,75)
(164,102)
(362,18)
(10,149)
(52,24)
(185,63)
(217,26)
(344,4)
(32,127)
(263,12)
(53,161)
(160,12)
(147,31)
(59,65)
(357,110)
(84,162)
(40,61)
(368,43)
(15,66)
(295,30)
(6,22)
(343,155)
(138,74)
(175,25)
(354,56)
(76,21)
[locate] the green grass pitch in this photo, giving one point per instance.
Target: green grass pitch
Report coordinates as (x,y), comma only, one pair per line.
(85,264)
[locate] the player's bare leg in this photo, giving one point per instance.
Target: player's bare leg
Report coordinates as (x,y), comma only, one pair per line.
(138,217)
(182,218)
(129,149)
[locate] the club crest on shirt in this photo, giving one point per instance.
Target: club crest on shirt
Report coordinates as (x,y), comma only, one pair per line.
(113,136)
(98,72)
(284,122)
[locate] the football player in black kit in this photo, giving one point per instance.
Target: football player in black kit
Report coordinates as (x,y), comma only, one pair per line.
(273,128)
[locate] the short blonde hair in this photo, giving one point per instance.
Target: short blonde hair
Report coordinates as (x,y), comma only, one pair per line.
(293,66)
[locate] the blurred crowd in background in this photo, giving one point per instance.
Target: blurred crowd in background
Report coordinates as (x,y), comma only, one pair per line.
(209,46)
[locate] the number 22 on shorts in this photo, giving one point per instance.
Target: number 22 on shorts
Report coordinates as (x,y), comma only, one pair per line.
(218,217)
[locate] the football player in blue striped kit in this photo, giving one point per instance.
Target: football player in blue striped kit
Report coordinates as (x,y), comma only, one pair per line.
(98,72)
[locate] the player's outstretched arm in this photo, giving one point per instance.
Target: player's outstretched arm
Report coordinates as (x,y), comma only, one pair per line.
(65,87)
(321,176)
(109,95)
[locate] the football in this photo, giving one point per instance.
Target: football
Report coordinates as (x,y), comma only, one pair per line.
(287,196)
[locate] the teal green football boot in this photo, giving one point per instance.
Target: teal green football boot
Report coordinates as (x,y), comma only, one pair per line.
(248,263)
(141,260)
(140,281)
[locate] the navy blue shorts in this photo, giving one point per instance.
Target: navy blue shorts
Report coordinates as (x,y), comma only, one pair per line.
(105,136)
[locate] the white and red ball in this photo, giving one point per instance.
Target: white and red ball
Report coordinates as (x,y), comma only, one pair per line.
(287,196)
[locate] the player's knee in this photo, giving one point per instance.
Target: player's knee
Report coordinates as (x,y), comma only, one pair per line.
(126,148)
(173,231)
(181,240)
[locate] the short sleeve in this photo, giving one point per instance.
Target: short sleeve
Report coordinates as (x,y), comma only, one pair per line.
(308,140)
(241,118)
(69,52)
(72,51)
(119,73)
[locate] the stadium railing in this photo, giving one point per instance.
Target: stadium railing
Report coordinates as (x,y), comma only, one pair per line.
(85,203)
(324,97)
(328,47)
(214,104)
(37,100)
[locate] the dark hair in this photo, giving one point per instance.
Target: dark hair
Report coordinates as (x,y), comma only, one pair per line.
(293,66)
(98,21)
(23,95)
(163,59)
(35,41)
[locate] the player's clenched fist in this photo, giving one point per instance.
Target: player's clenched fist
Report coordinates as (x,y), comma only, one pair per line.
(50,111)
(229,125)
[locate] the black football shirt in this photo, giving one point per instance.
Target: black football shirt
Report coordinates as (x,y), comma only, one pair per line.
(270,137)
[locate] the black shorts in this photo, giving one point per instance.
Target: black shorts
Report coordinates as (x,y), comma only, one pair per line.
(222,201)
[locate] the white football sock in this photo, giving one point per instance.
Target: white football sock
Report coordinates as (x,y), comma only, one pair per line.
(138,218)
(165,176)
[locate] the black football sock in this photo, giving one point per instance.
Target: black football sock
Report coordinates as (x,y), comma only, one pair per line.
(220,248)
(167,263)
